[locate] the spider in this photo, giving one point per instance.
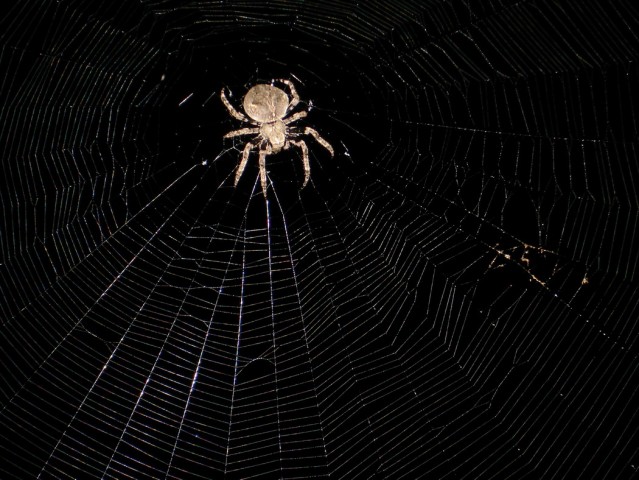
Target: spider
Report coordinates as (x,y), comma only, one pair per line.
(267,108)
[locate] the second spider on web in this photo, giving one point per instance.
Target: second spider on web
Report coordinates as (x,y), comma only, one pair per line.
(267,108)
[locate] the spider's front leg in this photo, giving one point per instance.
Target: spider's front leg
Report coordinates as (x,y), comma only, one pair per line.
(242,131)
(245,156)
(320,140)
(307,164)
(263,153)
(234,113)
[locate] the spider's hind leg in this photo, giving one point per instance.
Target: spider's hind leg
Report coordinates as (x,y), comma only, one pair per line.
(295,97)
(295,117)
(234,113)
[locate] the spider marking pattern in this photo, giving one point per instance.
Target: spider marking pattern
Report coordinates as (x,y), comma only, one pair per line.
(268,108)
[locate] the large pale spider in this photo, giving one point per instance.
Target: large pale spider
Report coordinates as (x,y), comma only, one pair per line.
(267,108)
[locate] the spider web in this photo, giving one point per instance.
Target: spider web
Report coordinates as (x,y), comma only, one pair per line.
(453,295)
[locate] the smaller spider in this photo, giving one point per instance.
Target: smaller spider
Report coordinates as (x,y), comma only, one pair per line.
(267,108)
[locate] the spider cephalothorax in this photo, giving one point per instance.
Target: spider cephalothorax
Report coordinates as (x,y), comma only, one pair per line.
(267,108)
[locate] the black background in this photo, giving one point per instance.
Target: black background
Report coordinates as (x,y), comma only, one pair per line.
(453,295)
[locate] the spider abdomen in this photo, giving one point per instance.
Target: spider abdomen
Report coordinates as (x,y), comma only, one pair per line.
(266,103)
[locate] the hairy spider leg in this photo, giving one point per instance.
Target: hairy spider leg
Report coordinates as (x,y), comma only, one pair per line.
(291,87)
(245,156)
(263,154)
(242,131)
(234,113)
(307,165)
(320,140)
(295,117)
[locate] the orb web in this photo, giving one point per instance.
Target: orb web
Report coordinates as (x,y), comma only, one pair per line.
(453,295)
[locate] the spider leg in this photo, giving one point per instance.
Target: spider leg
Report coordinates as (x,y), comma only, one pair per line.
(245,156)
(320,140)
(234,113)
(242,131)
(296,97)
(295,117)
(263,154)
(307,165)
